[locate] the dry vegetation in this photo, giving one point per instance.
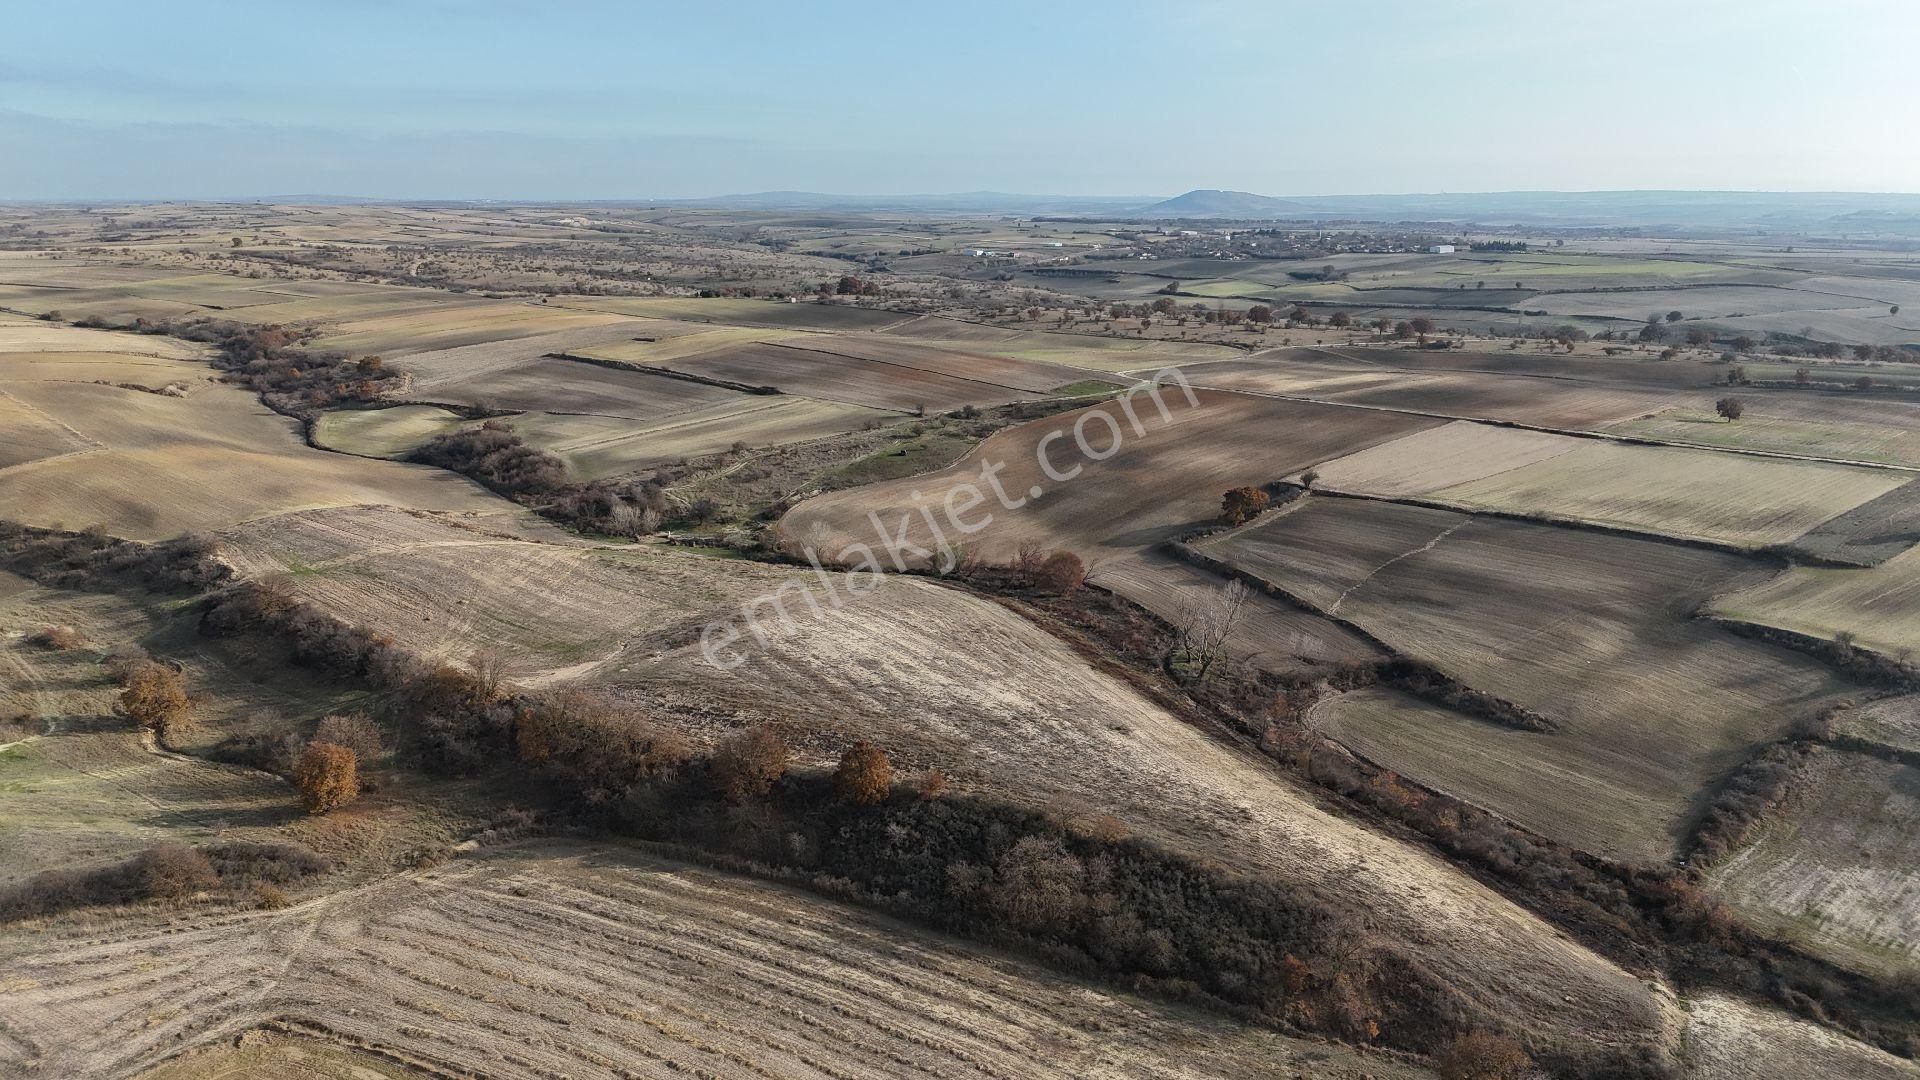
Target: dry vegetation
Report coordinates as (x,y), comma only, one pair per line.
(1428,788)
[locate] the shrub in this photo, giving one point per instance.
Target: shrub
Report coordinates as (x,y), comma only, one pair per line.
(750,762)
(1242,504)
(493,455)
(58,638)
(933,784)
(171,872)
(355,731)
(155,697)
(1482,1056)
(865,776)
(327,775)
(1063,572)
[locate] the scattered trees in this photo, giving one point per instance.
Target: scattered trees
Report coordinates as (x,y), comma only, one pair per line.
(1242,504)
(155,697)
(1260,313)
(327,776)
(865,775)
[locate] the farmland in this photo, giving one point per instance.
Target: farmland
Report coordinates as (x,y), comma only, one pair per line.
(1545,618)
(1496,670)
(1836,865)
(152,465)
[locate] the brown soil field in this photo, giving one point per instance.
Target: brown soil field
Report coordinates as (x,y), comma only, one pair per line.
(153,466)
(1015,374)
(1870,533)
(1158,484)
(584,962)
(830,376)
(1837,867)
(678,341)
(1594,631)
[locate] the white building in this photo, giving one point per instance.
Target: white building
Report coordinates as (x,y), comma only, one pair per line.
(1440,249)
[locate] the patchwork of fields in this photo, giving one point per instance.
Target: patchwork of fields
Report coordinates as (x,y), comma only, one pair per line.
(1549,619)
(1572,534)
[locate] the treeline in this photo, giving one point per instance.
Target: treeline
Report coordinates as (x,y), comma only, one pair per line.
(494,456)
(166,872)
(95,561)
(268,360)
(1092,901)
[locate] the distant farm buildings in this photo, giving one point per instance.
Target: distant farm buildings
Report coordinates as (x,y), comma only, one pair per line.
(1440,249)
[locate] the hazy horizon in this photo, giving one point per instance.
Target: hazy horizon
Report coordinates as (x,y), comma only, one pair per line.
(577,101)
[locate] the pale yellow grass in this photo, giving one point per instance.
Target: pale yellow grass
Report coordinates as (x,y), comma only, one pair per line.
(1730,498)
(1880,605)
(1838,867)
(154,466)
(382,432)
(1456,453)
(447,327)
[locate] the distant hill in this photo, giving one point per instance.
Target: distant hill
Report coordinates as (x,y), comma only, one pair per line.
(978,202)
(1213,203)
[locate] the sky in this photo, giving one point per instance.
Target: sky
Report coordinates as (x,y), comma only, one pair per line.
(566,99)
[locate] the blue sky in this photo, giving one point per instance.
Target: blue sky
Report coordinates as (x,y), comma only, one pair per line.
(637,100)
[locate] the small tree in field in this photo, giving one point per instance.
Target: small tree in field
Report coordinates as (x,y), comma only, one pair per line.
(1481,1056)
(864,776)
(1730,407)
(750,763)
(1242,504)
(155,697)
(327,776)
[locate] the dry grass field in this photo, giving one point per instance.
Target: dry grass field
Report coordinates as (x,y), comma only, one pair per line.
(382,433)
(1879,605)
(1838,865)
(150,465)
(1426,461)
(1594,631)
(1878,434)
(1733,499)
(966,685)
(458,936)
(585,962)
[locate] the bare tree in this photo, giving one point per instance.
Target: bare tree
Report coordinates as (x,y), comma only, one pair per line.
(1204,624)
